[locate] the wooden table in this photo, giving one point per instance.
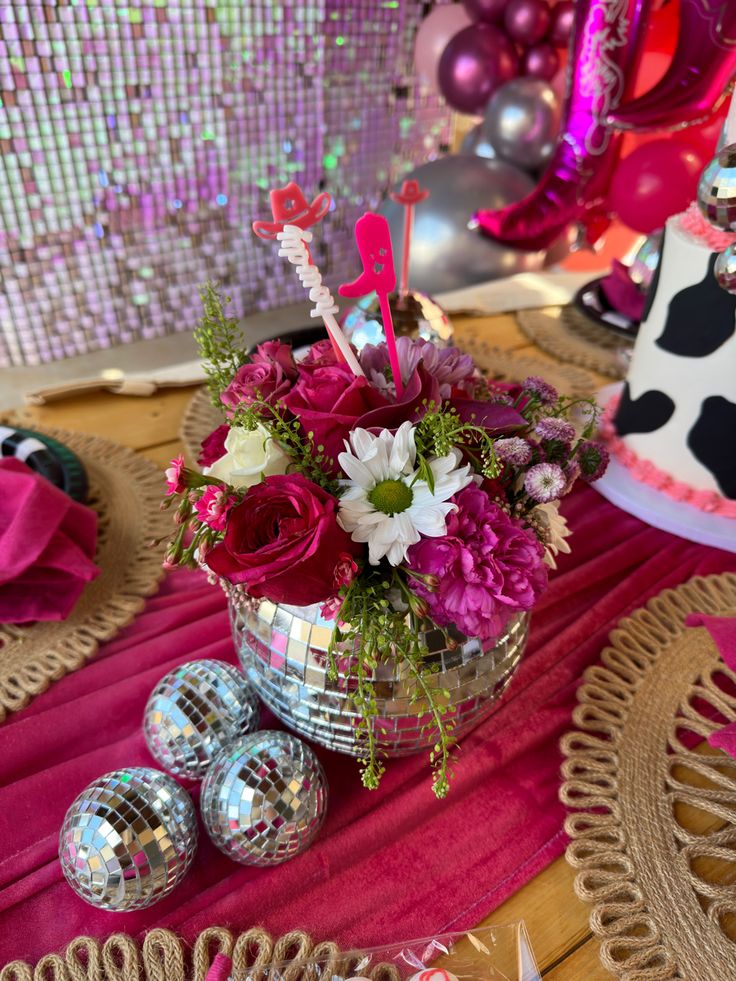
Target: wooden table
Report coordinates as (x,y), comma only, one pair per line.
(557,921)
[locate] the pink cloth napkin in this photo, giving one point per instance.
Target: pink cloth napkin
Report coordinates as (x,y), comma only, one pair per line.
(723,632)
(47,546)
(388,865)
(622,292)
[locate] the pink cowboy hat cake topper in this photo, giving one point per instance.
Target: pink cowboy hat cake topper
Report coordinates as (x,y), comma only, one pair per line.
(289,207)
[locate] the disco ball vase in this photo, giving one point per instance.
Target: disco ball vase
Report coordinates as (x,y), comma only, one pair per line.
(264,799)
(413,315)
(128,839)
(283,650)
(194,712)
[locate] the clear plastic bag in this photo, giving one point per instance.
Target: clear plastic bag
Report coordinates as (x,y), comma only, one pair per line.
(495,953)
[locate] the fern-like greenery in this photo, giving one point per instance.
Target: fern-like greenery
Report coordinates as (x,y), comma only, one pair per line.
(220,341)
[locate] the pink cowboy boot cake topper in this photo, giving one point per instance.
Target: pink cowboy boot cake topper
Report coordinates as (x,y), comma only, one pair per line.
(289,207)
(374,245)
(409,195)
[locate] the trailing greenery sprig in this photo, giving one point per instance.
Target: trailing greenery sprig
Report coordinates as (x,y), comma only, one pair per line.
(373,630)
(220,342)
(441,430)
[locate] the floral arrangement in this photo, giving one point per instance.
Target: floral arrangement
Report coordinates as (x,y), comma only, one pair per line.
(397,514)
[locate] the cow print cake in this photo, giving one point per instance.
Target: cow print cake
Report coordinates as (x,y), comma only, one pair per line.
(676,417)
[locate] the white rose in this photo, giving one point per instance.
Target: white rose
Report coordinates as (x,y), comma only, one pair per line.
(250,455)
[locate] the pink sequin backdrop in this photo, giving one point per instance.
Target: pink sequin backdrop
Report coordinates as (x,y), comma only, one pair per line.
(138,139)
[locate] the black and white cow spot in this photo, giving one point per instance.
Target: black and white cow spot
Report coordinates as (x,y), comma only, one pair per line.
(712,441)
(700,318)
(643,415)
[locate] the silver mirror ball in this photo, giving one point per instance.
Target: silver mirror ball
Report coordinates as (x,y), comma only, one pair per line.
(264,799)
(196,711)
(128,839)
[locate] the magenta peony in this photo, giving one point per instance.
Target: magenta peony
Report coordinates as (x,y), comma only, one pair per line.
(488,567)
(283,542)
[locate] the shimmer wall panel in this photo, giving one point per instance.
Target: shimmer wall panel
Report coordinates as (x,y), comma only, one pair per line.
(138,141)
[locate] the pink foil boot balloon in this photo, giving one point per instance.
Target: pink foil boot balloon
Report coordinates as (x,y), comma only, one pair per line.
(702,66)
(605,51)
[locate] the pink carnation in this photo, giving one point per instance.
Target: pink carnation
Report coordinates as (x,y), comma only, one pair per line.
(488,567)
(213,506)
(175,483)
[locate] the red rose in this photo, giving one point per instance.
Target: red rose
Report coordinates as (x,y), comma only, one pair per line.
(256,381)
(213,446)
(329,400)
(283,542)
(274,352)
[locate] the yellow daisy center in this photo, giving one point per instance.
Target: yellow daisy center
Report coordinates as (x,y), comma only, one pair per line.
(391,497)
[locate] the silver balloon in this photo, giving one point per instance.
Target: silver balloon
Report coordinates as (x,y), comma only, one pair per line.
(128,839)
(522,122)
(725,269)
(196,711)
(446,252)
(476,144)
(264,799)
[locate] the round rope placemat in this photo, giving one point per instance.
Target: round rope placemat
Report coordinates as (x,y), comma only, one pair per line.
(163,957)
(566,333)
(125,490)
(654,827)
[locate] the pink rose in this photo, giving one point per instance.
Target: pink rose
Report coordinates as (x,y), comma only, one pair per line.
(274,352)
(256,381)
(329,400)
(213,446)
(283,542)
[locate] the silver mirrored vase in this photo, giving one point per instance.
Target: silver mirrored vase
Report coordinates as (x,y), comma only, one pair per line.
(283,652)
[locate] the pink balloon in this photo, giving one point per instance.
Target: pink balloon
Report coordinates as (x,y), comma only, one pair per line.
(474,64)
(527,21)
(657,180)
(488,11)
(432,38)
(540,61)
(563,18)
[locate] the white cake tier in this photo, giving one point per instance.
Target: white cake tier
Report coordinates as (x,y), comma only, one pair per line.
(684,379)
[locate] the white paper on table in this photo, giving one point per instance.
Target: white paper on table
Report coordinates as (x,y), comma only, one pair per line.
(123,382)
(524,291)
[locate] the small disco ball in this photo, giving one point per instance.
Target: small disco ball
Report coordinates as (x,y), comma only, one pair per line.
(196,711)
(717,190)
(128,839)
(725,269)
(413,314)
(264,799)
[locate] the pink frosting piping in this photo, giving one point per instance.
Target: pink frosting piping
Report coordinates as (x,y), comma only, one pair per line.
(647,473)
(692,222)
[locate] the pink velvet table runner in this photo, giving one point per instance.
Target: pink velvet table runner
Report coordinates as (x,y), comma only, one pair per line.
(389,865)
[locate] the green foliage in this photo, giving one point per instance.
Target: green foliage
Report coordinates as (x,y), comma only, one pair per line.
(371,631)
(441,430)
(220,342)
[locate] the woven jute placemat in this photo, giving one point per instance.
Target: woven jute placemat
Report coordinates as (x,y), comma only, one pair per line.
(201,417)
(125,490)
(654,823)
(162,956)
(566,333)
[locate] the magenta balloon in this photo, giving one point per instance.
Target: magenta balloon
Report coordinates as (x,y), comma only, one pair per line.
(432,38)
(563,18)
(487,11)
(540,61)
(474,64)
(656,180)
(527,21)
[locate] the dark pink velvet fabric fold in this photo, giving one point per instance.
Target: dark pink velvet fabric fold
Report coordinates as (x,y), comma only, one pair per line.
(388,866)
(723,632)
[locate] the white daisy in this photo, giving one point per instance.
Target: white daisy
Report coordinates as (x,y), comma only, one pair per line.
(385,503)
